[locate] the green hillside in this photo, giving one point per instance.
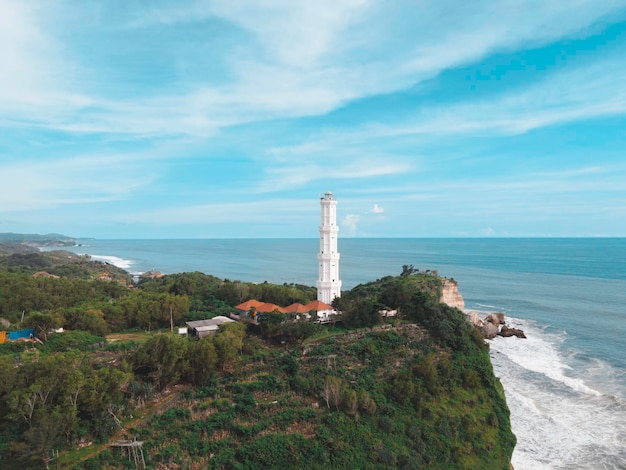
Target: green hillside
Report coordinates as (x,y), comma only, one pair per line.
(418,392)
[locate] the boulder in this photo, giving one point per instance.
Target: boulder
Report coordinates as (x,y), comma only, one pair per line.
(506,332)
(489,330)
(473,318)
(493,325)
(495,318)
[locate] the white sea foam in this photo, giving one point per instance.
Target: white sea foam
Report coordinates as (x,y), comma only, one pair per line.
(114,260)
(560,422)
(491,307)
(539,353)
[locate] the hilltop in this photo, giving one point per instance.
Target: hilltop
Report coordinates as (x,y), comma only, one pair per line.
(21,253)
(35,240)
(415,391)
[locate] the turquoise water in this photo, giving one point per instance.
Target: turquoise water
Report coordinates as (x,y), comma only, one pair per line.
(565,385)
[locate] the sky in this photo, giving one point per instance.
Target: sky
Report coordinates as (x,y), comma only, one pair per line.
(229,119)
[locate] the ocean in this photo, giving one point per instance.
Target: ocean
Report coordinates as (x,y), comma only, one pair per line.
(565,384)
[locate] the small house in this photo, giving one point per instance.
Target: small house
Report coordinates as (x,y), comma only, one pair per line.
(323,310)
(203,328)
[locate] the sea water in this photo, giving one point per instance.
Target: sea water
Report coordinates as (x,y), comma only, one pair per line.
(565,384)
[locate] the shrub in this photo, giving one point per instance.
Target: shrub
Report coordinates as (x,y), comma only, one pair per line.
(81,340)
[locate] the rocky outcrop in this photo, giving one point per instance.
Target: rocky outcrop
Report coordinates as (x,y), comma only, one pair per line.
(495,318)
(505,331)
(493,325)
(489,330)
(450,294)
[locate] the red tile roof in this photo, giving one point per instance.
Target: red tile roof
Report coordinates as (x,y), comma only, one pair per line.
(248,304)
(317,305)
(296,307)
(267,307)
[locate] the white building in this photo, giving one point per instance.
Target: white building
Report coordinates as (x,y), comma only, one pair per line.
(203,328)
(328,283)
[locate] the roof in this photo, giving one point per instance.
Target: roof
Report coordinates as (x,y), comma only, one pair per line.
(207,328)
(215,322)
(317,305)
(248,304)
(268,307)
(296,307)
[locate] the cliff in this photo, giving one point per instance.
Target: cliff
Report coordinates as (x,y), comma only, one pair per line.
(450,294)
(415,391)
(383,397)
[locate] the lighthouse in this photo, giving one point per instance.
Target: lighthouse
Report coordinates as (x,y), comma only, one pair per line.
(328,283)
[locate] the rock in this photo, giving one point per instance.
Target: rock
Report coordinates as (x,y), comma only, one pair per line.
(495,318)
(450,294)
(493,325)
(473,318)
(506,332)
(489,330)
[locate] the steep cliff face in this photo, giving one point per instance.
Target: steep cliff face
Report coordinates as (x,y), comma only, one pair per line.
(450,294)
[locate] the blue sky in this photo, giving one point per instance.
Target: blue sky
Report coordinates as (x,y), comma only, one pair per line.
(218,119)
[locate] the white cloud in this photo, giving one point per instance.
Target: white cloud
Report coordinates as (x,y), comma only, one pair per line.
(243,212)
(289,59)
(377,209)
(32,185)
(350,224)
(284,175)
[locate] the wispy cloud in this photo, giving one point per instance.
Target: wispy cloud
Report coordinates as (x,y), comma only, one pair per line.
(103,105)
(246,212)
(33,185)
(290,60)
(350,224)
(284,175)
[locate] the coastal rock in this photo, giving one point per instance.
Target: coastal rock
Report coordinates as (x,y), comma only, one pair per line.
(450,294)
(489,330)
(473,318)
(496,318)
(506,332)
(492,325)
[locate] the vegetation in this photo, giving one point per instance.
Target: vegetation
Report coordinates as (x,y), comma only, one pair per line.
(415,393)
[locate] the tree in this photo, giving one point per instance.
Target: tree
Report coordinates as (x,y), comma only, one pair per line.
(42,323)
(228,342)
(162,358)
(90,319)
(367,403)
(360,312)
(332,391)
(202,360)
(351,402)
(407,270)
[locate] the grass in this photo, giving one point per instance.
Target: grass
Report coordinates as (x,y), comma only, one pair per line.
(136,336)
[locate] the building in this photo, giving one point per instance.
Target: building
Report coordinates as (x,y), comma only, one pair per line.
(324,312)
(328,284)
(203,328)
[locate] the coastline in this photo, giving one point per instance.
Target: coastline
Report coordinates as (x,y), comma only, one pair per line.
(78,249)
(551,403)
(550,294)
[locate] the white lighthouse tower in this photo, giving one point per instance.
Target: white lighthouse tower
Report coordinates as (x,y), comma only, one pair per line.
(328,284)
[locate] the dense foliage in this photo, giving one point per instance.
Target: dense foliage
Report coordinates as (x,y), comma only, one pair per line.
(418,393)
(386,398)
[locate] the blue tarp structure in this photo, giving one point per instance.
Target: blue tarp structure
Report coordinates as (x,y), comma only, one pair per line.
(13,335)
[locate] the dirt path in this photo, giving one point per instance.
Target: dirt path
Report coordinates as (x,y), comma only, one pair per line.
(158,406)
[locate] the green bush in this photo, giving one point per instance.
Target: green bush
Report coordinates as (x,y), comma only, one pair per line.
(68,340)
